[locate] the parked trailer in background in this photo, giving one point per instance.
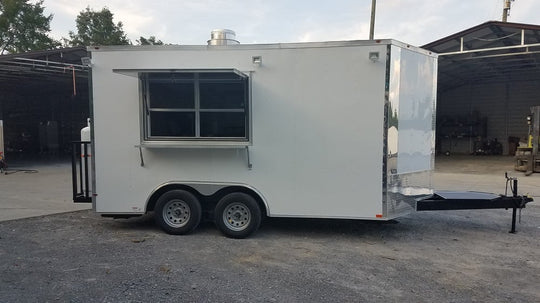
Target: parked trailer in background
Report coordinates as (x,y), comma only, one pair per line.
(239,132)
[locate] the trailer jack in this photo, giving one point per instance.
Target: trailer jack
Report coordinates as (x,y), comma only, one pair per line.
(454,200)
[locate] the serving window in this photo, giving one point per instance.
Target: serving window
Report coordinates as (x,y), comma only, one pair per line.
(195,106)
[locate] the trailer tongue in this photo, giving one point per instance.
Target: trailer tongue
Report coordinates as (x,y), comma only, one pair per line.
(455,200)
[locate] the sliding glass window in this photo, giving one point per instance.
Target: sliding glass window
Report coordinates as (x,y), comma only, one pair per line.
(199,105)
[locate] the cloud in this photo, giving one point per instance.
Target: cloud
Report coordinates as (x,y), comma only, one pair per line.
(259,21)
(525,11)
(354,31)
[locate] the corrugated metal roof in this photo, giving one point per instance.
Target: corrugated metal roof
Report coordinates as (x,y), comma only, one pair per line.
(488,53)
(44,66)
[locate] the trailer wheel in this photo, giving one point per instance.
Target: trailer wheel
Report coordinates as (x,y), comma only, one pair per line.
(238,215)
(178,212)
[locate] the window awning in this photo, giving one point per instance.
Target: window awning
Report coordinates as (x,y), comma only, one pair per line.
(137,72)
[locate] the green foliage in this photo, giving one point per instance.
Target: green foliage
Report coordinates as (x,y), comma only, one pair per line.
(97,28)
(392,116)
(23,27)
(149,41)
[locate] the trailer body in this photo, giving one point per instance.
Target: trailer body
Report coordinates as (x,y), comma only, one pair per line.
(322,130)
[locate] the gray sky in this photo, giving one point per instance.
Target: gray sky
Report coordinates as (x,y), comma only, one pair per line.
(257,21)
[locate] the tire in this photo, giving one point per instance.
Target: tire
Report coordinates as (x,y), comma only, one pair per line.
(237,215)
(178,212)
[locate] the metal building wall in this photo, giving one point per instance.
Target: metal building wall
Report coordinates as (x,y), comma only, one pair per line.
(522,95)
(25,108)
(505,105)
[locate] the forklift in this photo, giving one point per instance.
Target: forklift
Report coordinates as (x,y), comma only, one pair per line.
(527,158)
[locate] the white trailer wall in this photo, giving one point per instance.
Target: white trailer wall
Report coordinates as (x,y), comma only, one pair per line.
(317,138)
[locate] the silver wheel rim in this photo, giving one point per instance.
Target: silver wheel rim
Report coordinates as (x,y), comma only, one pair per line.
(236,216)
(176,213)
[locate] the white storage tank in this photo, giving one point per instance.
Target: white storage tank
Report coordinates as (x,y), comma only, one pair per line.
(86,153)
(85,131)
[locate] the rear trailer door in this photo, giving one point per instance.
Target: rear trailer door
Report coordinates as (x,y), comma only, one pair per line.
(410,129)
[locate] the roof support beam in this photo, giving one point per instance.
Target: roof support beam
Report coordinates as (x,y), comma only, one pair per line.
(491,49)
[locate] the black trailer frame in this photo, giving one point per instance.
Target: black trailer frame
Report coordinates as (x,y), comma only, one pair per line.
(452,200)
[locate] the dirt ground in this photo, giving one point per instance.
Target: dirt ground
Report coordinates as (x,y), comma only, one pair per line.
(452,256)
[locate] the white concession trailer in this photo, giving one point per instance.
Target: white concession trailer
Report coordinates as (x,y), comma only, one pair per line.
(238,132)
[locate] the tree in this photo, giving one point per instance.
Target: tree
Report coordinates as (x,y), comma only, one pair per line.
(97,28)
(393,116)
(23,27)
(149,41)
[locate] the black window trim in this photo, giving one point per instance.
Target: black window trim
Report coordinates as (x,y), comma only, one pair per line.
(197,140)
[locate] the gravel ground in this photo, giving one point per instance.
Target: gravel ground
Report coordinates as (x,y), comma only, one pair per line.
(454,256)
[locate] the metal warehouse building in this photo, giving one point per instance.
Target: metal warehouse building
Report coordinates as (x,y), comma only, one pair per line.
(43,102)
(489,77)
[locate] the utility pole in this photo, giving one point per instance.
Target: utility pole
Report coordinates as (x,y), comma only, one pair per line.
(506,10)
(372,24)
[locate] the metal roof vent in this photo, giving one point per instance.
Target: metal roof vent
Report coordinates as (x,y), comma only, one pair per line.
(222,37)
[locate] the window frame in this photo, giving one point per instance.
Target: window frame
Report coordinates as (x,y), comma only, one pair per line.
(197,140)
